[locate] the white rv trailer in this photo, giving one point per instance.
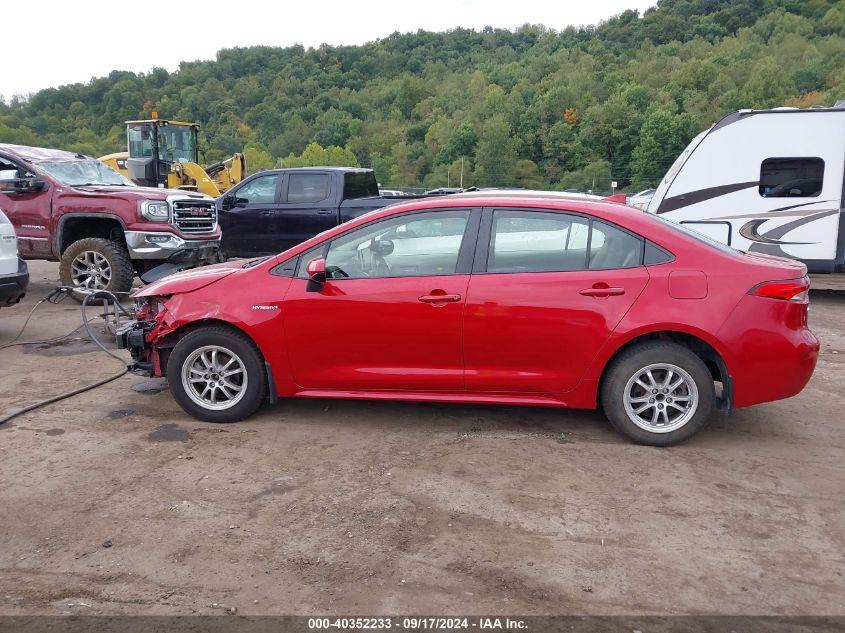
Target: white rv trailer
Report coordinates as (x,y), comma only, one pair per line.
(765,181)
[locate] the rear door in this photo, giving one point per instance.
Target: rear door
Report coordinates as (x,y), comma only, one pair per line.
(247,223)
(389,315)
(547,290)
(308,207)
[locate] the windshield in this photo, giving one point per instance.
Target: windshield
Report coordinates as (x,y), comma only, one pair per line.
(177,144)
(84,172)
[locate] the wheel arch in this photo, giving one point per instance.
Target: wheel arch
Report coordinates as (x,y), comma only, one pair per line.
(165,345)
(705,349)
(76,226)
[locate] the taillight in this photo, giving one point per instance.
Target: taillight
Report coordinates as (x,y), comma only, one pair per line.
(796,290)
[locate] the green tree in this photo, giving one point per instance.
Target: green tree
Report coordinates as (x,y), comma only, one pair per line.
(257,159)
(496,156)
(314,155)
(662,137)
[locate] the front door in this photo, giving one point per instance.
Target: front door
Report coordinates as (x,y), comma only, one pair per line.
(307,208)
(389,315)
(247,220)
(544,297)
(29,212)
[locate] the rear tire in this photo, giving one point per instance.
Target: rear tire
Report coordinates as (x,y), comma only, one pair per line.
(95,263)
(658,393)
(217,374)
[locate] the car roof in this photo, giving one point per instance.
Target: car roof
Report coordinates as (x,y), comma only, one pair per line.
(553,201)
(316,168)
(38,154)
(531,193)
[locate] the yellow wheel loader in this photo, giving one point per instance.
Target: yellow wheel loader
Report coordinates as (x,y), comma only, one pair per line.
(164,154)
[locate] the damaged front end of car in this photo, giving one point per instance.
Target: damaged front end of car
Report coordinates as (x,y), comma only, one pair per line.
(140,335)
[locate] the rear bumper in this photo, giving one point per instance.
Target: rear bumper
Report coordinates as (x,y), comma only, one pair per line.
(773,352)
(164,246)
(13,287)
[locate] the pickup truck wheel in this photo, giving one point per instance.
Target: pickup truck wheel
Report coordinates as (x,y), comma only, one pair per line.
(217,374)
(96,264)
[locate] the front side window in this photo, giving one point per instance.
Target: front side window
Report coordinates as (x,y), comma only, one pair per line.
(140,141)
(261,190)
(791,177)
(529,241)
(308,187)
(421,244)
(8,171)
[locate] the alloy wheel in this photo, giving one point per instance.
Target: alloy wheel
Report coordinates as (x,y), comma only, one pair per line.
(214,377)
(91,270)
(661,398)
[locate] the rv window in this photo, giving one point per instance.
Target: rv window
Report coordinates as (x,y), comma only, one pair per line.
(791,177)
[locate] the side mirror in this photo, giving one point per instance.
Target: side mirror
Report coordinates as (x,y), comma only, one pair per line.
(22,185)
(33,184)
(227,201)
(316,270)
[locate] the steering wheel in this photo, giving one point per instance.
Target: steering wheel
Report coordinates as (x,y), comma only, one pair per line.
(335,272)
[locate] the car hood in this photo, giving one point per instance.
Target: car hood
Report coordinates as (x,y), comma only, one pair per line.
(136,193)
(190,280)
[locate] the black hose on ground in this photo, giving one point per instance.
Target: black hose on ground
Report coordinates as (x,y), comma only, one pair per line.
(55,296)
(102,294)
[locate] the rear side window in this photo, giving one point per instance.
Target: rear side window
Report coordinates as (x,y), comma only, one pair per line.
(791,177)
(537,241)
(526,241)
(611,247)
(359,185)
(308,187)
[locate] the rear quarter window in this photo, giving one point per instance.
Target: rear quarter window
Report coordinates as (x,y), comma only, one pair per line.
(359,185)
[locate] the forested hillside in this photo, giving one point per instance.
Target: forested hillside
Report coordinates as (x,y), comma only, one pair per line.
(532,107)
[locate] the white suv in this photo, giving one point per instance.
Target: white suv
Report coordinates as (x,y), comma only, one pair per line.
(14,275)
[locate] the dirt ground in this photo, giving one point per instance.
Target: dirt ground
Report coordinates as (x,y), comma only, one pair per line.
(116,502)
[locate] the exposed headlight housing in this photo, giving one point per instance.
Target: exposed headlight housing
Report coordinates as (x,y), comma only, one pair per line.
(155,210)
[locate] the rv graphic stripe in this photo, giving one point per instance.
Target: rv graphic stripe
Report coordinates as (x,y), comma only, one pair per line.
(700,195)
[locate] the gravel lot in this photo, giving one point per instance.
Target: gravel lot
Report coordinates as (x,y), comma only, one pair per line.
(115,502)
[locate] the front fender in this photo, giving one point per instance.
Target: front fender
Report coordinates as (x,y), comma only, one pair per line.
(254,309)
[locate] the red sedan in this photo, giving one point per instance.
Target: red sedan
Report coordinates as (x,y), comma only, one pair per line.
(534,300)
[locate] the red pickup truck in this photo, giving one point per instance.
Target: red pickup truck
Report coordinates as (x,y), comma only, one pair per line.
(102,228)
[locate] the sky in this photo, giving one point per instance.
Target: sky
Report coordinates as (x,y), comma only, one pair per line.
(72,41)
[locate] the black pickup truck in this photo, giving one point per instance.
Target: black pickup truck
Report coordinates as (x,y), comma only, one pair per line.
(275,209)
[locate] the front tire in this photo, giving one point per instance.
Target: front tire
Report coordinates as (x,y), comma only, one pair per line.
(217,374)
(658,393)
(95,263)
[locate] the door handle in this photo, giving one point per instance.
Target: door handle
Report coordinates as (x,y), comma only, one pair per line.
(444,298)
(268,214)
(602,291)
(325,212)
